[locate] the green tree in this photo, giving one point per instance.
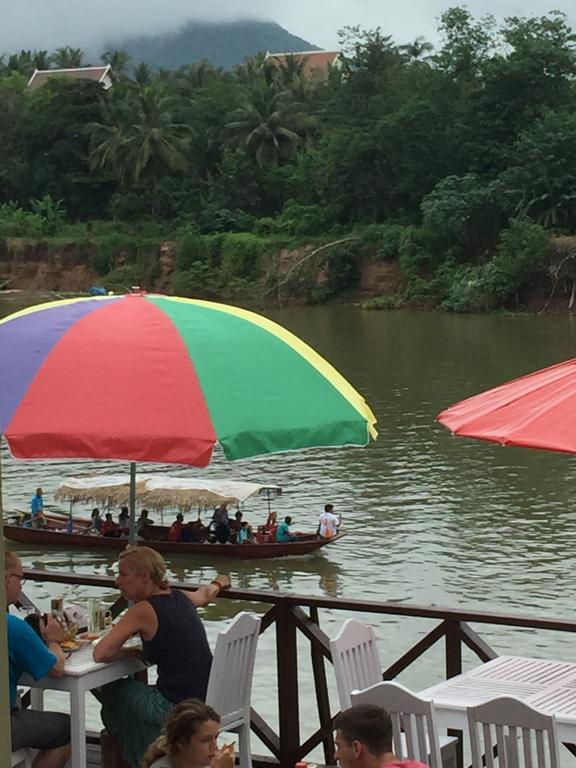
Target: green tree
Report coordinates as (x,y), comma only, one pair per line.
(68,58)
(140,142)
(118,61)
(541,180)
(270,125)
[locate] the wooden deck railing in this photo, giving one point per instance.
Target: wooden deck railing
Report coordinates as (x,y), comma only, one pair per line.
(293,614)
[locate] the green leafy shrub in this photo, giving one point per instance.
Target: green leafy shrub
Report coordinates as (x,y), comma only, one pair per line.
(415,255)
(462,215)
(241,254)
(123,278)
(16,222)
(51,213)
(385,239)
(197,281)
(521,255)
(191,248)
(386,301)
(215,219)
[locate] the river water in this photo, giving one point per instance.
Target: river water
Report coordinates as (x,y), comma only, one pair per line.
(431,519)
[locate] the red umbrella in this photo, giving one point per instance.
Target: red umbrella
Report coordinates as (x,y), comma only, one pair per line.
(534,411)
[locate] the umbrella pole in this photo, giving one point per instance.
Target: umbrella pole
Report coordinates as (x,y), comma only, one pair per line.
(132,525)
(4,702)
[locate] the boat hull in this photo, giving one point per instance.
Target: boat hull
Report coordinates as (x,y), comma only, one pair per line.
(52,537)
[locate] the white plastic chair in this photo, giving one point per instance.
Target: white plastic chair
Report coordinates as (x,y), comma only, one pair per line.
(22,758)
(355,659)
(523,736)
(414,732)
(357,667)
(230,683)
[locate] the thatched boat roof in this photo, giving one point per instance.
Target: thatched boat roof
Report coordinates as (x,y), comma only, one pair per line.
(160,491)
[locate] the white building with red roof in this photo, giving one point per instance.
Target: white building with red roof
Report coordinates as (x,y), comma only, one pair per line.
(315,64)
(101,75)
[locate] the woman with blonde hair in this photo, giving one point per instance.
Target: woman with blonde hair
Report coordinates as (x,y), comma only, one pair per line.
(173,638)
(188,740)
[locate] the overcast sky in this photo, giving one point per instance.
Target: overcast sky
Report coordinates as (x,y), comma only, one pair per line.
(52,23)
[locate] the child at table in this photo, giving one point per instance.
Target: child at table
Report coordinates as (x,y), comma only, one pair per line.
(188,739)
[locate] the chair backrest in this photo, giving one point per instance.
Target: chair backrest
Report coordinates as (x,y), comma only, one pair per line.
(410,715)
(522,735)
(355,658)
(230,683)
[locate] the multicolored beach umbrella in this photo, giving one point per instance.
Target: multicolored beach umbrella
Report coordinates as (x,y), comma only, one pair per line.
(154,378)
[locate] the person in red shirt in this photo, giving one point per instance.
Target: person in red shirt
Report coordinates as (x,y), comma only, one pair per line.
(364,739)
(109,527)
(176,528)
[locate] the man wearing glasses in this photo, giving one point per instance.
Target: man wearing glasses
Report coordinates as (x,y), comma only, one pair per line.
(47,731)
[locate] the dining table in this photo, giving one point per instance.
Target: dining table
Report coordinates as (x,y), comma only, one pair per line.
(546,685)
(81,674)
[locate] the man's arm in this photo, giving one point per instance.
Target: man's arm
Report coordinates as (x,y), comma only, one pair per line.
(53,635)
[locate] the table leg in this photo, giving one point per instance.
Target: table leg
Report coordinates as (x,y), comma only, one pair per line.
(78,726)
(37,698)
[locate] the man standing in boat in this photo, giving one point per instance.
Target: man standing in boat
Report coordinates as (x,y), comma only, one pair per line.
(329,522)
(37,509)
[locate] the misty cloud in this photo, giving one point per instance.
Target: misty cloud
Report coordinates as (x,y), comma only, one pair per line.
(50,24)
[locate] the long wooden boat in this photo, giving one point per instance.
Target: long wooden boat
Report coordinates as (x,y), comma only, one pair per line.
(305,544)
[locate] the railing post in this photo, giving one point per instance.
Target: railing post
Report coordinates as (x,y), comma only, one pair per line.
(288,708)
(322,697)
(453,668)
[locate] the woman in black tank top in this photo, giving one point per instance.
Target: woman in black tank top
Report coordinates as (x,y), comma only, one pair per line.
(173,637)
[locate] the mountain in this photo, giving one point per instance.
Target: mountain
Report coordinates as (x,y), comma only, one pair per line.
(223,44)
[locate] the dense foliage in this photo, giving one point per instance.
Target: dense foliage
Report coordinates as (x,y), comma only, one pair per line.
(460,164)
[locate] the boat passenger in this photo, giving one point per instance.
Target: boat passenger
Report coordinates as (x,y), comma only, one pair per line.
(189,739)
(271,521)
(244,534)
(173,637)
(283,531)
(48,732)
(176,528)
(221,515)
(37,509)
(143,522)
(364,739)
(329,522)
(124,522)
(97,521)
(109,527)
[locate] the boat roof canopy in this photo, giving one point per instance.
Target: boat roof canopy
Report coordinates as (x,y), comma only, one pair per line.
(161,491)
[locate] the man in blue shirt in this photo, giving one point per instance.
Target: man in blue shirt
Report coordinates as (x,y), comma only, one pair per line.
(37,509)
(283,531)
(27,652)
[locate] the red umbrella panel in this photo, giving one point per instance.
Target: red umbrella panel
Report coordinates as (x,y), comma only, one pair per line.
(534,411)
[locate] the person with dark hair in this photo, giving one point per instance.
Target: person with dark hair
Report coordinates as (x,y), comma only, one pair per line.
(188,740)
(97,521)
(176,528)
(329,522)
(34,650)
(364,739)
(109,527)
(283,531)
(173,637)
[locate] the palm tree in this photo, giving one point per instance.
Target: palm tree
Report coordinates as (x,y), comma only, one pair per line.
(68,58)
(140,141)
(417,50)
(143,75)
(118,60)
(269,127)
(21,62)
(41,60)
